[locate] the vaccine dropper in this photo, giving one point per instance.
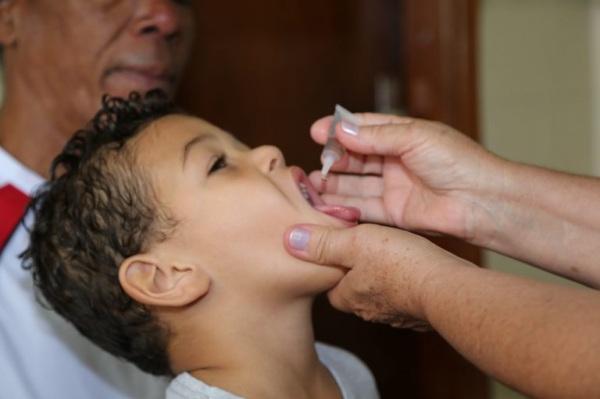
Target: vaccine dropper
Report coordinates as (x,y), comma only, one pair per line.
(333,150)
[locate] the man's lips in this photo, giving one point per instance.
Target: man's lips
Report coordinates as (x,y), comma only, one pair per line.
(309,192)
(147,74)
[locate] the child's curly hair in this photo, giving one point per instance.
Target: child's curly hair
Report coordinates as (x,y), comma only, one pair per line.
(97,209)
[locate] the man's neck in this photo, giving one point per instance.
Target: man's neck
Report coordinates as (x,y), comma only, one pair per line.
(268,354)
(33,134)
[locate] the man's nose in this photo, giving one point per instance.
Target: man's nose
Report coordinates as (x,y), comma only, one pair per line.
(267,158)
(158,17)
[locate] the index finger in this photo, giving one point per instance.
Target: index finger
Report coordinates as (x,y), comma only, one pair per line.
(359,164)
(320,128)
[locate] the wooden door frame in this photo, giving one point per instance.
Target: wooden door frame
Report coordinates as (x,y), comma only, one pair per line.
(441,83)
(441,65)
(440,72)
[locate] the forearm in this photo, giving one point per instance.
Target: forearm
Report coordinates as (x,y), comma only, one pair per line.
(546,218)
(541,339)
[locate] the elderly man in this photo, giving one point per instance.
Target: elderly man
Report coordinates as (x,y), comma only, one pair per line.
(59,57)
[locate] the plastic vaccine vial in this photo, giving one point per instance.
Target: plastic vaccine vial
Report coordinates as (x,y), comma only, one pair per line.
(332,153)
(333,150)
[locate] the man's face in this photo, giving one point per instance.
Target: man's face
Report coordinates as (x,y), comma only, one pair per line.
(233,205)
(74,51)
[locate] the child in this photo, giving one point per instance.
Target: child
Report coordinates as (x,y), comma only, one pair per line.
(159,236)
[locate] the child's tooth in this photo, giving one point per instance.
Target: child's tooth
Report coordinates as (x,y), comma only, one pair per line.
(304,191)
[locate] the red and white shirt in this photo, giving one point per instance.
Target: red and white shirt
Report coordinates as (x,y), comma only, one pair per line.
(41,355)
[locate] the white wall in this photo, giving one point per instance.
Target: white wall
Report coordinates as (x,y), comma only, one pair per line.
(536,97)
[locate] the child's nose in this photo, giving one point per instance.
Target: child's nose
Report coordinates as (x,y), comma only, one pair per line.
(268,158)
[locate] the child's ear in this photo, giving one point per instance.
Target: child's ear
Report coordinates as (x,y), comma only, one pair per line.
(152,282)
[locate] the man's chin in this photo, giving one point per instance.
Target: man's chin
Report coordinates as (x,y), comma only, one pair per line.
(121,85)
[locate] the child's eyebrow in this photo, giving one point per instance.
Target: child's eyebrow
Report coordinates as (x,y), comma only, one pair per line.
(196,140)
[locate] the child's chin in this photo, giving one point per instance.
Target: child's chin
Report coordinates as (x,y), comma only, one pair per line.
(328,278)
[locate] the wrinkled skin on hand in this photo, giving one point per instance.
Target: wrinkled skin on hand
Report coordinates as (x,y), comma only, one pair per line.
(371,289)
(387,271)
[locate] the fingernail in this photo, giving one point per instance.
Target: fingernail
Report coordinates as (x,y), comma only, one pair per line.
(349,128)
(299,238)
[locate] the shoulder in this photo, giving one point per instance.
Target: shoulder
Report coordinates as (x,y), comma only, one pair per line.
(12,171)
(352,375)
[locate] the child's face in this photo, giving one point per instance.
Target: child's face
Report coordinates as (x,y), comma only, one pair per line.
(233,205)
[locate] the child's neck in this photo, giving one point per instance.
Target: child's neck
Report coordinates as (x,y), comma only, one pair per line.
(268,353)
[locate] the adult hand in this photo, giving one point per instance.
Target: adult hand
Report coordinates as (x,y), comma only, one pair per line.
(410,173)
(386,269)
(518,330)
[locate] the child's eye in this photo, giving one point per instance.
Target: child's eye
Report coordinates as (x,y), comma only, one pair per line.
(219,163)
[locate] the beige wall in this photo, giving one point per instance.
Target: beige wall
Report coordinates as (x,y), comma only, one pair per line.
(594,26)
(536,93)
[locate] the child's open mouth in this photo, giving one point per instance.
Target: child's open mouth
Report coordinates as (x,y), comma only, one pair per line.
(311,195)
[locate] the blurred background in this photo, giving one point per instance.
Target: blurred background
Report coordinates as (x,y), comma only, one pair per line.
(520,76)
(539,66)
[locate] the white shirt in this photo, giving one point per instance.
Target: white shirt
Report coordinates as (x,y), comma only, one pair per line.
(352,376)
(41,355)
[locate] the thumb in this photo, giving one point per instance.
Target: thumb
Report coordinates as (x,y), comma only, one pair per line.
(322,245)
